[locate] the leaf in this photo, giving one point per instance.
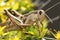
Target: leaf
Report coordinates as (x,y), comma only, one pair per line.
(23,8)
(16,6)
(57,35)
(2,30)
(0,1)
(42,34)
(3,17)
(18,35)
(0,19)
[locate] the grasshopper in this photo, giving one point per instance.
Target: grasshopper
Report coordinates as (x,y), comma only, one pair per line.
(22,21)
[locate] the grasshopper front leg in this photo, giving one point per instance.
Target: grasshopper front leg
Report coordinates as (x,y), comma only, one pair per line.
(14,19)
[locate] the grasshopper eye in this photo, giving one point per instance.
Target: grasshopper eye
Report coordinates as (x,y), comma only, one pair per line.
(40,12)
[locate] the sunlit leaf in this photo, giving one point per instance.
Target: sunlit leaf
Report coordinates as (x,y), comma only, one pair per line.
(18,35)
(43,33)
(23,8)
(16,6)
(57,35)
(0,1)
(3,17)
(2,30)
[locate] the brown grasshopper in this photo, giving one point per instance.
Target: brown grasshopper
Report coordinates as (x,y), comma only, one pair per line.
(25,20)
(21,21)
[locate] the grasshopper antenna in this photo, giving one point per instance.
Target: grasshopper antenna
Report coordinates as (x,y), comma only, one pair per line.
(53,6)
(49,18)
(49,9)
(56,18)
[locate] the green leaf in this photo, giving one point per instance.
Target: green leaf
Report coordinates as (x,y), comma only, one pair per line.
(18,35)
(2,30)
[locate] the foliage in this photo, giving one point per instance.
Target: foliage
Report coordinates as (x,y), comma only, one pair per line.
(29,33)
